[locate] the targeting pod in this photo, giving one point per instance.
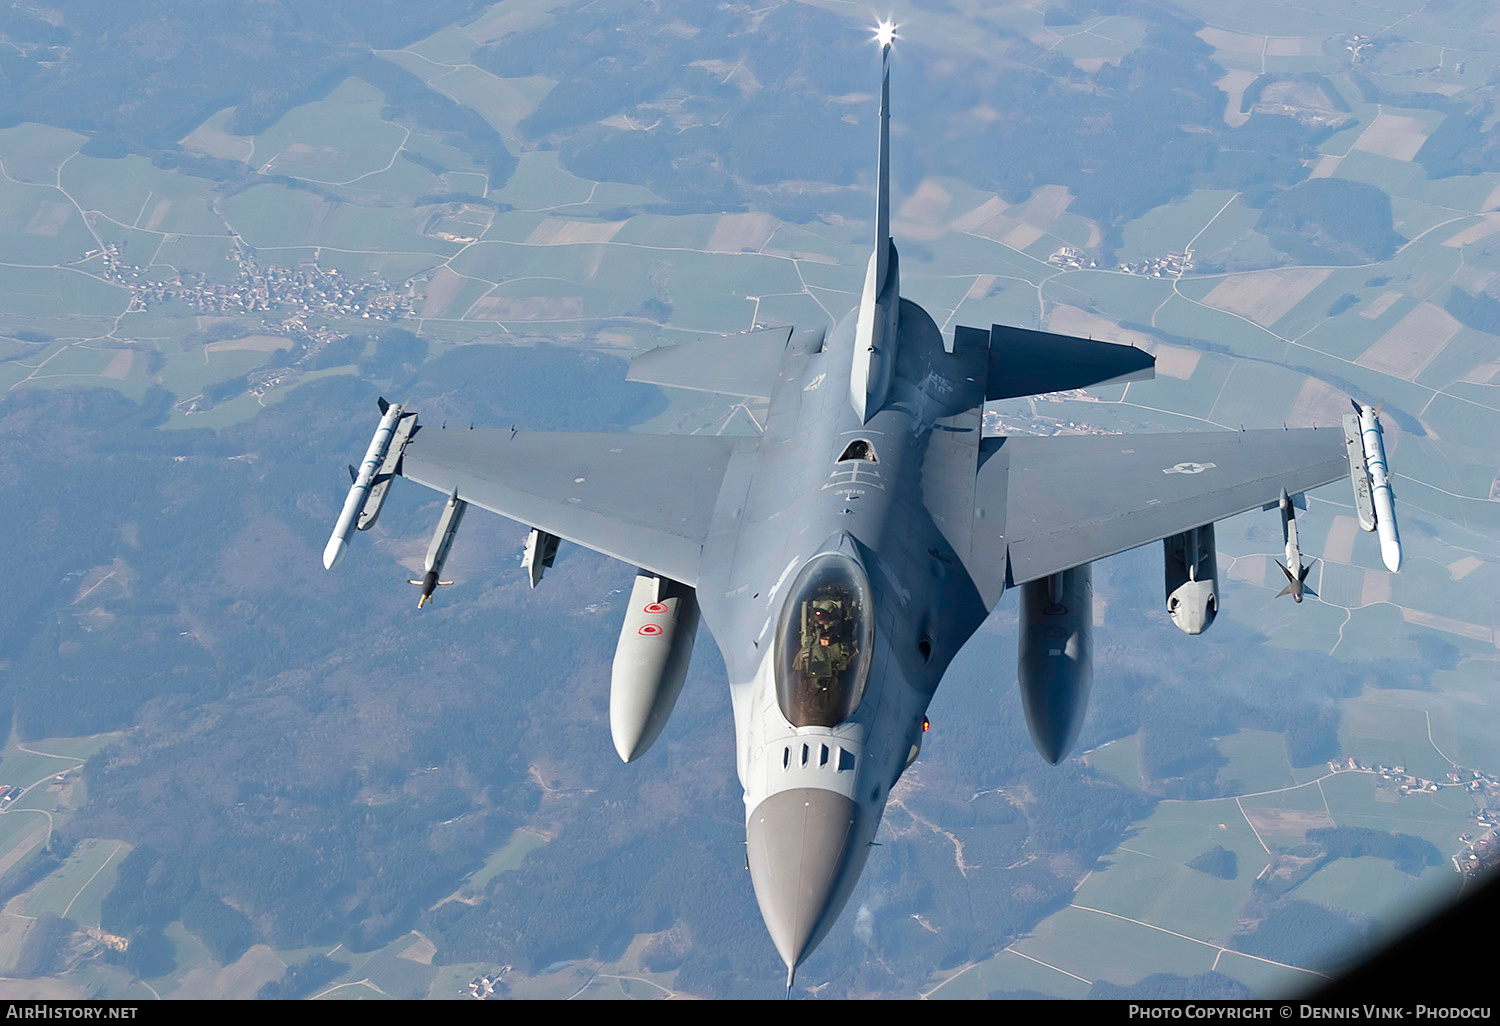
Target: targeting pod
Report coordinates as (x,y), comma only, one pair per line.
(1190,561)
(541,550)
(442,542)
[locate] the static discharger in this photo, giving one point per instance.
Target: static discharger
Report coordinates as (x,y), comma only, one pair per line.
(442,542)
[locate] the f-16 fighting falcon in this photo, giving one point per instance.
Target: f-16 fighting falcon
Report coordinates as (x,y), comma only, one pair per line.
(842,558)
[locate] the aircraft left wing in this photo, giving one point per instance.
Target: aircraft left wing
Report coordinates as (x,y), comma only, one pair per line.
(643,499)
(1047,504)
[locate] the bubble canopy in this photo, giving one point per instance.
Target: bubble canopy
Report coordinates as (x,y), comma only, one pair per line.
(824,641)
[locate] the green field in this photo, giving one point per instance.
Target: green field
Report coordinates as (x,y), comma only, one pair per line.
(23,768)
(397,183)
(1197,395)
(1438,818)
(1120,759)
(1146,878)
(352,992)
(21,831)
(451,45)
(1101,947)
(1167,894)
(74,890)
(1390,727)
(1232,230)
(461,166)
(396,976)
(334,140)
(1376,888)
(1257,760)
(1172,227)
(132,191)
(1463,727)
(1008,971)
(45,293)
(503,102)
(538,183)
(34,152)
(1311,626)
(40,227)
(273,216)
(1268,979)
(186,374)
(508,856)
(207,255)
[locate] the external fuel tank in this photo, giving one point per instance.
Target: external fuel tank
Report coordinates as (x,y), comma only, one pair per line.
(1055,664)
(651,661)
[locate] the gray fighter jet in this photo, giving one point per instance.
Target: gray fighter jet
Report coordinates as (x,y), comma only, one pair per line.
(842,558)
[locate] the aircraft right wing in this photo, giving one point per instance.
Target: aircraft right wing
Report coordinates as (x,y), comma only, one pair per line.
(1047,504)
(643,499)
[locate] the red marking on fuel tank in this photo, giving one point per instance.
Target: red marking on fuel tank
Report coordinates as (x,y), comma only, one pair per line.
(655,607)
(651,630)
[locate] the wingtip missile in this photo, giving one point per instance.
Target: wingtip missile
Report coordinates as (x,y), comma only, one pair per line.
(1373,439)
(334,551)
(360,485)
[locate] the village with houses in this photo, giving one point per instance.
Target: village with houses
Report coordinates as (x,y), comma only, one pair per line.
(295,291)
(489,986)
(1173,265)
(1481,846)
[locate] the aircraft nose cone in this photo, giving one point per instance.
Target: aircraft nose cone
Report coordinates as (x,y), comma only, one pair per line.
(805,856)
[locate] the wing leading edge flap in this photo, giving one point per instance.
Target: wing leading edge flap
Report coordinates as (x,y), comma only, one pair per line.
(1043,505)
(743,365)
(1024,362)
(644,499)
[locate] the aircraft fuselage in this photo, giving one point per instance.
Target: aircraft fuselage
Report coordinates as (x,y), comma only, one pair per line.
(814,794)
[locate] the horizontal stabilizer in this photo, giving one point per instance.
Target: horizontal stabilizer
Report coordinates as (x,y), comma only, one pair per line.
(743,365)
(1026,363)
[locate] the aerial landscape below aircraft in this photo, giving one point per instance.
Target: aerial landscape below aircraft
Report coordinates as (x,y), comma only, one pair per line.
(843,557)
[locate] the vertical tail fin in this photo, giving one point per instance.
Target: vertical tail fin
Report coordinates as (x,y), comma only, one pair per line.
(883,174)
(874,356)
